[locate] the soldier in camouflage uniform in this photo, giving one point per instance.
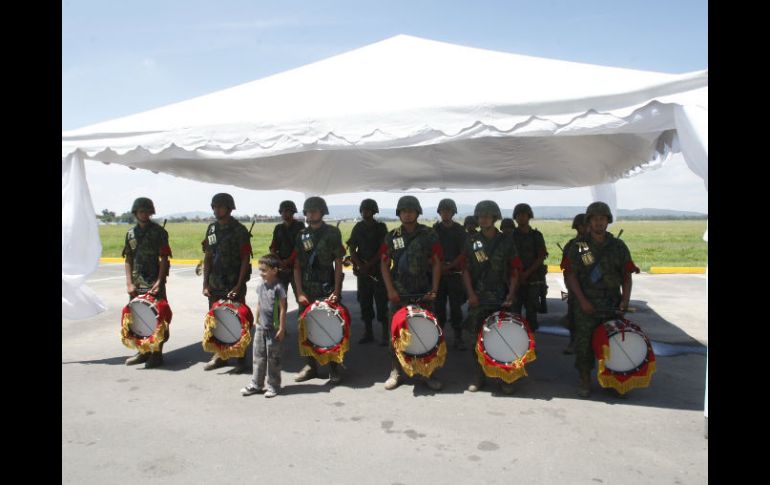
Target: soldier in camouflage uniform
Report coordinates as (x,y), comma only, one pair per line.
(146,251)
(452,237)
(471,225)
(507,226)
(411,259)
(318,252)
(364,245)
(491,272)
(531,247)
(284,240)
(598,267)
(226,264)
(581,228)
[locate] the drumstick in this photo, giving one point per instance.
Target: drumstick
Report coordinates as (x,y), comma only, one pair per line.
(506,342)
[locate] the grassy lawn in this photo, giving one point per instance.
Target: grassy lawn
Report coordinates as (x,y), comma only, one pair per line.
(652,243)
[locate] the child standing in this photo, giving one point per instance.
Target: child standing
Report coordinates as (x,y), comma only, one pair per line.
(271,328)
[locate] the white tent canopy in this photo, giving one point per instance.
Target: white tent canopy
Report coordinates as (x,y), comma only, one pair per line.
(410,113)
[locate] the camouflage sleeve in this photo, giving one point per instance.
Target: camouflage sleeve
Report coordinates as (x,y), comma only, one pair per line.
(244,242)
(628,263)
(165,249)
(274,243)
(542,251)
(435,245)
(205,242)
(126,248)
(339,251)
(355,240)
(572,263)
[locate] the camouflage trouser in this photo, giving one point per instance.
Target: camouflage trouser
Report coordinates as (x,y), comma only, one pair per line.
(394,307)
(584,330)
(371,293)
(267,359)
(528,296)
(450,288)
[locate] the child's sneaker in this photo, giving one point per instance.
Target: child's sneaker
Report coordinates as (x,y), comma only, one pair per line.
(249,390)
(270,393)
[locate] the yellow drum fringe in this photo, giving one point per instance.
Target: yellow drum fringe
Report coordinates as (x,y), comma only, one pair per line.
(414,365)
(143,345)
(325,357)
(238,349)
(509,376)
(609,380)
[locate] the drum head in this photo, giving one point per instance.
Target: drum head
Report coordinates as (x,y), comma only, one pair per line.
(628,350)
(425,335)
(228,329)
(144,318)
(324,328)
(505,343)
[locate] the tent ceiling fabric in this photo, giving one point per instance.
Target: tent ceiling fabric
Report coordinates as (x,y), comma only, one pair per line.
(408,113)
(404,113)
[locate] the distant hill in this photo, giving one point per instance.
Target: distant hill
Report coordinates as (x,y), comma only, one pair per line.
(541,212)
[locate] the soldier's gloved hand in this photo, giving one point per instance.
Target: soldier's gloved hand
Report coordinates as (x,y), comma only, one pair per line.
(232,293)
(334,297)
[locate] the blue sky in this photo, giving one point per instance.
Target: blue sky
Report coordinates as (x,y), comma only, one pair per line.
(120,58)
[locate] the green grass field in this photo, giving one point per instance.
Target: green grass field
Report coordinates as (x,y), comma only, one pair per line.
(652,243)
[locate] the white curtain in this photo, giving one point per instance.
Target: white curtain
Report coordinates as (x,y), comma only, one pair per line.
(80,244)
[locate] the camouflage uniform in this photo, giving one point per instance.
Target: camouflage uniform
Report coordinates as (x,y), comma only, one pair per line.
(410,257)
(315,251)
(450,288)
(366,240)
(144,247)
(600,271)
(490,279)
(228,243)
(283,243)
(530,246)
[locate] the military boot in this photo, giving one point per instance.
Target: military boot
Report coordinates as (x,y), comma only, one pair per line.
(368,335)
(215,363)
(394,380)
(506,388)
(156,358)
(308,372)
(335,374)
(138,358)
(433,383)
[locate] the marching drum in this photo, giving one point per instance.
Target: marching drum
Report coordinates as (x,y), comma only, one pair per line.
(227,329)
(144,322)
(505,344)
(324,331)
(626,358)
(418,340)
